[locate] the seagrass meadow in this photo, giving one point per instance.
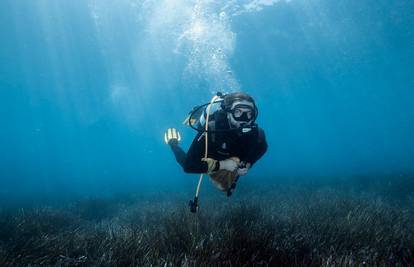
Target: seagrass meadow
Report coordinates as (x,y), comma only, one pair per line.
(313,225)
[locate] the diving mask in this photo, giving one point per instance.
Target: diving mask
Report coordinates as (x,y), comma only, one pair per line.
(242,113)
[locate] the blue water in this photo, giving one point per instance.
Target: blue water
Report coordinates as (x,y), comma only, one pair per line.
(87,88)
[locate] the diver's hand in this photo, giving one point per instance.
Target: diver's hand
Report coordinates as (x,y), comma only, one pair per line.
(242,171)
(229,165)
(172,137)
(243,168)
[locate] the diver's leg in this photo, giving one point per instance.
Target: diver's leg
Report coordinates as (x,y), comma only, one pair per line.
(179,153)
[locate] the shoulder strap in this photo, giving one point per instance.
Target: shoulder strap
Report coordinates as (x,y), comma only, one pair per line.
(212,127)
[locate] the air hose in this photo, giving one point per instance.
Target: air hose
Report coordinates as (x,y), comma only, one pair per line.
(194,203)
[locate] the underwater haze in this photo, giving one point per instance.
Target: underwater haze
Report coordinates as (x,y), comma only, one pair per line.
(89,87)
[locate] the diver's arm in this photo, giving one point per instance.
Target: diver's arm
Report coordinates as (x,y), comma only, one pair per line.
(193,162)
(179,153)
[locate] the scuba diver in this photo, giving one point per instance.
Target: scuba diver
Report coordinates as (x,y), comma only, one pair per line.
(227,145)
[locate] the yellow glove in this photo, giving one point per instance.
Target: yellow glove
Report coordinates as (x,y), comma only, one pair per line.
(229,164)
(211,164)
(172,136)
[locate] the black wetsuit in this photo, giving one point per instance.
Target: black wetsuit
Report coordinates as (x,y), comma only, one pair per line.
(248,147)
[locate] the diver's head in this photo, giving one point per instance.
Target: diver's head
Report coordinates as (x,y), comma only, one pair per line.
(241,110)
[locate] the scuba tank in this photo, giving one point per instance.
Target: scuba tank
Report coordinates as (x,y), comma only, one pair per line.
(196,118)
